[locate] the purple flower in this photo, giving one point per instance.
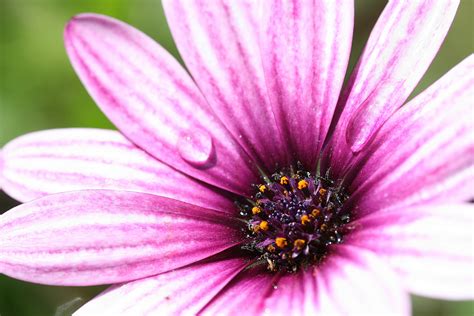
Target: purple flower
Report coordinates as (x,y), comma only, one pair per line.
(256,186)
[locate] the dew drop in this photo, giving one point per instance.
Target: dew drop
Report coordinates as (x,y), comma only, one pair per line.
(196,147)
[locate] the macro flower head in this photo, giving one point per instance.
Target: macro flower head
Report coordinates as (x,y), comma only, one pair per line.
(253,182)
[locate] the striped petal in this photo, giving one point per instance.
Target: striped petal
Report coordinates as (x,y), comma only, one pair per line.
(425,151)
(431,246)
(400,48)
(355,282)
(179,292)
(61,160)
(218,41)
(152,100)
(246,293)
(101,237)
(305,50)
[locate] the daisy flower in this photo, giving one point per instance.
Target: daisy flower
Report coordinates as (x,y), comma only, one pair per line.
(252,184)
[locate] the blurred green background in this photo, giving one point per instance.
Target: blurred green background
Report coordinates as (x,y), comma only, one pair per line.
(39,90)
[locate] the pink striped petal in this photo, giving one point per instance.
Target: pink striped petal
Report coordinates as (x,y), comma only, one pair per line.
(179,292)
(61,160)
(245,294)
(431,246)
(305,49)
(295,294)
(152,100)
(425,152)
(100,236)
(400,48)
(218,41)
(353,281)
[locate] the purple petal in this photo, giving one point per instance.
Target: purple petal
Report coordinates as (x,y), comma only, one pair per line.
(153,101)
(425,151)
(295,294)
(53,161)
(245,294)
(305,49)
(431,247)
(179,292)
(100,237)
(353,281)
(218,41)
(400,48)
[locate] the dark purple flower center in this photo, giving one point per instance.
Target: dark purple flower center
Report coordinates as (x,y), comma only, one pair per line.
(293,217)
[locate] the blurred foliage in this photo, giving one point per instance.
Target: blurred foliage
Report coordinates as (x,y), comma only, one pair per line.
(39,90)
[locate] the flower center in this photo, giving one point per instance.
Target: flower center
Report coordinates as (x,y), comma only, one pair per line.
(293,217)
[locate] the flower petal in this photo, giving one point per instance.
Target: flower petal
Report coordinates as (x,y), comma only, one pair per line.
(425,151)
(400,48)
(431,246)
(178,292)
(305,49)
(61,160)
(246,293)
(101,236)
(218,41)
(352,281)
(152,100)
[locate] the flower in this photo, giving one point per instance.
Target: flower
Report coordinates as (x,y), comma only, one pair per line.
(250,188)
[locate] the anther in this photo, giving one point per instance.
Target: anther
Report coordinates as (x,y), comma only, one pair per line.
(299,243)
(302,184)
(256,210)
(305,219)
(263,225)
(281,242)
(284,180)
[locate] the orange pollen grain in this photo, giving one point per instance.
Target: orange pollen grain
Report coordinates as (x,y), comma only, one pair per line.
(324,227)
(271,248)
(305,219)
(284,180)
(281,242)
(315,212)
(299,243)
(256,210)
(263,225)
(322,191)
(302,184)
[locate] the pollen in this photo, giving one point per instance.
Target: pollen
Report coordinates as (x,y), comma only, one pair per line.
(281,242)
(256,210)
(305,219)
(263,225)
(299,243)
(302,184)
(293,217)
(284,180)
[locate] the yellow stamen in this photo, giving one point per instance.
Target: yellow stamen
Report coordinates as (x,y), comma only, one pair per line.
(271,248)
(302,184)
(305,219)
(262,188)
(299,243)
(284,180)
(281,242)
(263,225)
(322,191)
(256,210)
(315,212)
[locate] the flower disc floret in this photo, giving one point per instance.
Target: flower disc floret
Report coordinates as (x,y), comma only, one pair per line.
(293,217)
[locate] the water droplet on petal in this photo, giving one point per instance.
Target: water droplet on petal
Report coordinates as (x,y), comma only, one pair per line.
(196,147)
